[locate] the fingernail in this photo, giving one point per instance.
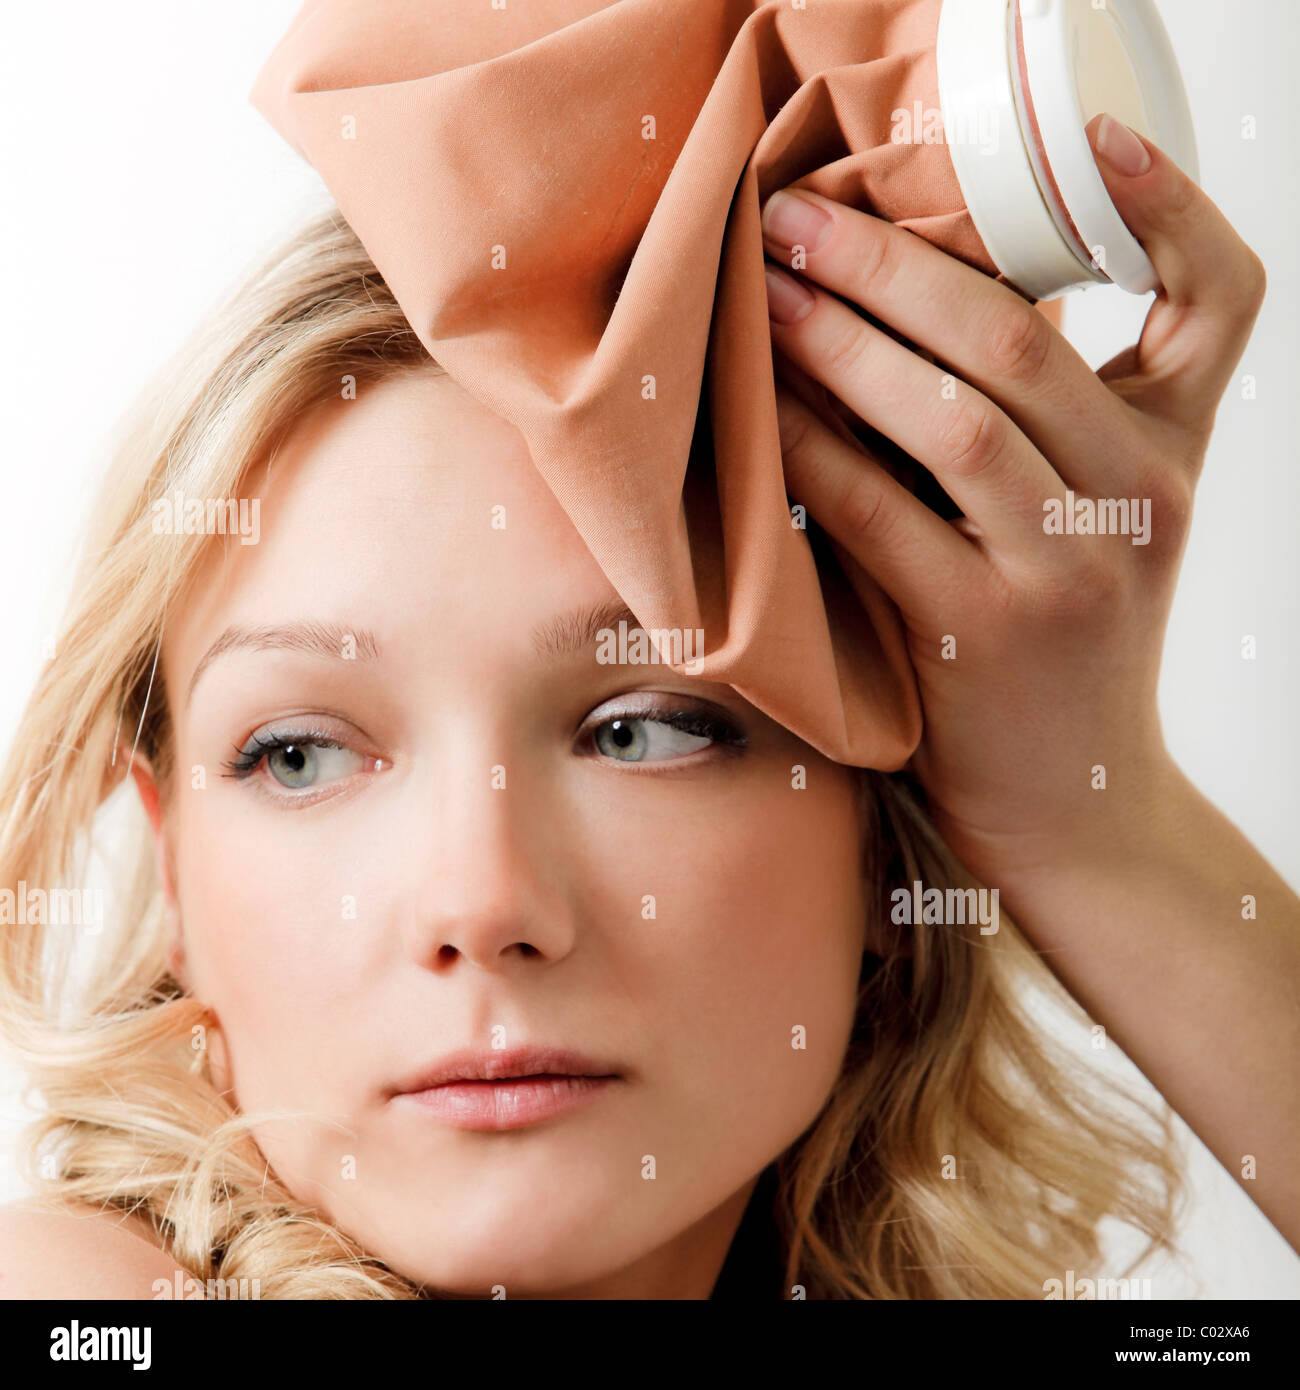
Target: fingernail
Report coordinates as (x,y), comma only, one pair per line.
(794,221)
(1121,148)
(787,300)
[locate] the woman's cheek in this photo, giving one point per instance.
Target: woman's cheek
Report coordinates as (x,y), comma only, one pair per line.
(787,874)
(273,922)
(754,954)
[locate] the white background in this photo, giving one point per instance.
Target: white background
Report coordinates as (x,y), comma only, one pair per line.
(139,183)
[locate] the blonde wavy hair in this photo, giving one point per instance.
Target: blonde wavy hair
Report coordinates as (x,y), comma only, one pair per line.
(946,1061)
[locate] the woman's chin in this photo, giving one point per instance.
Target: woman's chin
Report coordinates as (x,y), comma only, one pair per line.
(537,1262)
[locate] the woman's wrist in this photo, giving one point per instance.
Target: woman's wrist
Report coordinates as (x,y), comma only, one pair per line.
(1124,814)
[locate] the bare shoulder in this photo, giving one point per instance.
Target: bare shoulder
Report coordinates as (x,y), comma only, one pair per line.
(69,1251)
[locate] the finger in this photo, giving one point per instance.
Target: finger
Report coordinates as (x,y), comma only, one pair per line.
(983,331)
(853,430)
(814,395)
(919,560)
(977,453)
(1212,283)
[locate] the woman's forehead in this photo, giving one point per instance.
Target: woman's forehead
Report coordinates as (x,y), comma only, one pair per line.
(412,510)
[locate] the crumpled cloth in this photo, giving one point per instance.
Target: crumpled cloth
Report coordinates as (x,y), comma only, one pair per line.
(564,197)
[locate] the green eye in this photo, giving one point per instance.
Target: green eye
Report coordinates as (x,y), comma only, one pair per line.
(676,734)
(297,762)
(293,765)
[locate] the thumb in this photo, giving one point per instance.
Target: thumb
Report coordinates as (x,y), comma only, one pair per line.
(1190,242)
(1211,282)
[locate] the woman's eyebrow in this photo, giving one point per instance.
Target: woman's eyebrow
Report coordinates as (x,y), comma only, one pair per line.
(317,638)
(552,639)
(580,629)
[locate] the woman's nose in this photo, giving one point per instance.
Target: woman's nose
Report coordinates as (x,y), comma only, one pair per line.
(491,885)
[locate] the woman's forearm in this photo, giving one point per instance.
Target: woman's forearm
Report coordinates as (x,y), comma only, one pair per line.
(1178,937)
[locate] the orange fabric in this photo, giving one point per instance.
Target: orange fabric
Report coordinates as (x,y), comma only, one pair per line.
(586,282)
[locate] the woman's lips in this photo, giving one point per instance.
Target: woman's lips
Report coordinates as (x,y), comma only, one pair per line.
(509,1103)
(482,1088)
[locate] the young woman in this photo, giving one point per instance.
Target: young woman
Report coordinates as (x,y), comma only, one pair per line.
(462,963)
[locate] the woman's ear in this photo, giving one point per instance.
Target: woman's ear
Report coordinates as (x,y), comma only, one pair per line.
(151,796)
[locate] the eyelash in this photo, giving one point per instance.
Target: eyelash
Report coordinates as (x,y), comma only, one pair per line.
(703,724)
(246,762)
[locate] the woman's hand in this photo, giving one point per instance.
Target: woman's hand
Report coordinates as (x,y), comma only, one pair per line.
(1037,653)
